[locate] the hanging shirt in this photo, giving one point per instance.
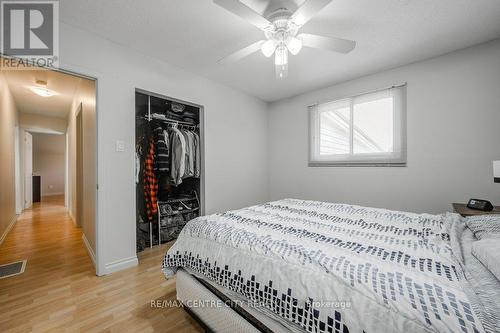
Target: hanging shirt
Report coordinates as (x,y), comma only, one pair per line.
(150,183)
(190,151)
(162,160)
(192,166)
(167,140)
(177,156)
(137,166)
(197,155)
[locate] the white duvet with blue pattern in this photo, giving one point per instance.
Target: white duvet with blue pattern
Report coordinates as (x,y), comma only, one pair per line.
(325,267)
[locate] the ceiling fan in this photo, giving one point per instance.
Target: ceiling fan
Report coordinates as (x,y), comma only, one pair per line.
(281,29)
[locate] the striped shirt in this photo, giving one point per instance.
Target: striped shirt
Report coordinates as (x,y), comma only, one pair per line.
(162,160)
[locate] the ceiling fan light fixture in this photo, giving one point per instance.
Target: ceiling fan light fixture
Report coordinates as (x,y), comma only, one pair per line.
(281,56)
(299,19)
(281,30)
(268,48)
(281,62)
(294,45)
(281,71)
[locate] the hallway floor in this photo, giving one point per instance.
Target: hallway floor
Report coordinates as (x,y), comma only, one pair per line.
(59,292)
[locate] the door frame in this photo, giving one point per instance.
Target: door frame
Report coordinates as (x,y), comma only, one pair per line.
(84,73)
(28,185)
(79,165)
(17,171)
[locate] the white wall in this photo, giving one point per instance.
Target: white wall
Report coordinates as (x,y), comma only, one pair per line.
(8,124)
(235,141)
(51,169)
(48,162)
(453,137)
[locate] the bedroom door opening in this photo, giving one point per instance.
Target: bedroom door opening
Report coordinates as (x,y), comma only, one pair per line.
(50,116)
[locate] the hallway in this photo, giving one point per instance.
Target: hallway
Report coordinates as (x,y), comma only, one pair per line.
(59,292)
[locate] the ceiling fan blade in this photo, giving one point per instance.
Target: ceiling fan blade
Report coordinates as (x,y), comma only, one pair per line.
(240,54)
(238,8)
(327,43)
(307,11)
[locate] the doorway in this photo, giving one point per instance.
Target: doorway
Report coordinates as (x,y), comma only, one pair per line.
(54,149)
(48,167)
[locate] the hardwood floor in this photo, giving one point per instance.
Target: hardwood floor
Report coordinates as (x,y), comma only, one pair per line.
(59,291)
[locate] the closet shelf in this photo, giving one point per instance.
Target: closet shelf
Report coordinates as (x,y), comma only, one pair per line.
(176,200)
(184,211)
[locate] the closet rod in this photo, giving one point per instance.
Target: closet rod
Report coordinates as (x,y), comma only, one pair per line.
(178,122)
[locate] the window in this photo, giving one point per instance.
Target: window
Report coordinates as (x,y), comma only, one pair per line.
(368,129)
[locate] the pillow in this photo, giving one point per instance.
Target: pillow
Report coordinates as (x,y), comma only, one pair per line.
(484,226)
(486,251)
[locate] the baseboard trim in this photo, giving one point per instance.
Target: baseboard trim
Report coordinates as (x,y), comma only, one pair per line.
(89,249)
(118,265)
(6,232)
(53,194)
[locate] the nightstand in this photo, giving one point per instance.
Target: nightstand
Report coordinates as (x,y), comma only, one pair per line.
(464,211)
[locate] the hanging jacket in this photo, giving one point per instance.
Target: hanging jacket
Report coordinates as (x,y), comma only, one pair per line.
(177,154)
(150,183)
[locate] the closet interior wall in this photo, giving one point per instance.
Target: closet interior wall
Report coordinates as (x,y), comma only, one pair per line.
(169,167)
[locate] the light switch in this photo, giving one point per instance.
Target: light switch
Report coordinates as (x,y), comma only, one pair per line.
(120,146)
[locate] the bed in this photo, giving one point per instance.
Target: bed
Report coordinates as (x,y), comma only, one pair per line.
(308,266)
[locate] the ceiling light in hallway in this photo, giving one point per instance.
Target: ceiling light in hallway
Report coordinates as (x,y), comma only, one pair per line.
(41,89)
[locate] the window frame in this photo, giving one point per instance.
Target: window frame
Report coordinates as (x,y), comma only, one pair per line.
(397,158)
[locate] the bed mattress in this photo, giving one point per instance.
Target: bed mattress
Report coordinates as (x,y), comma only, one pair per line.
(324,267)
(216,313)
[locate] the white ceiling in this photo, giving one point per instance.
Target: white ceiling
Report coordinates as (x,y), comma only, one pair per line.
(194,34)
(29,102)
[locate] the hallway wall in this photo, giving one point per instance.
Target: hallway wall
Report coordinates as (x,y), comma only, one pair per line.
(48,162)
(86,95)
(8,123)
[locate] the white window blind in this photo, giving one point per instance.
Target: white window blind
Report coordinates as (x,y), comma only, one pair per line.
(367,129)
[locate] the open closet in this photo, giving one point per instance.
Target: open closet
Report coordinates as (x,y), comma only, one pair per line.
(169,166)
